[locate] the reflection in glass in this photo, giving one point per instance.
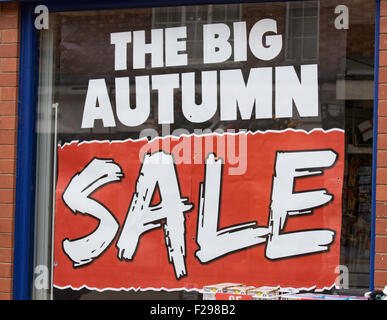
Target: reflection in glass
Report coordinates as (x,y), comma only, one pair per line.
(82,51)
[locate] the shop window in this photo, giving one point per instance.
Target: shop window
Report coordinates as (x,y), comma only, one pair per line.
(264,146)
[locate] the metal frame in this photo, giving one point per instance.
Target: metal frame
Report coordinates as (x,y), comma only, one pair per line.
(26,136)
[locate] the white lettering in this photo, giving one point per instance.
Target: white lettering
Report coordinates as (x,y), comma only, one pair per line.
(97,93)
(157,171)
(96,174)
(216,47)
(165,84)
(206,110)
(174,45)
(285,202)
(120,41)
(214,243)
(273,45)
(128,116)
(154,48)
(303,92)
(235,93)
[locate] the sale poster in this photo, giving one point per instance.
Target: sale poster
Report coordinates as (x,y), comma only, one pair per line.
(183,212)
(246,187)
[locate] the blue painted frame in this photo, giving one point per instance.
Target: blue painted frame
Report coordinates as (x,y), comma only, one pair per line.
(26,136)
(25,161)
(375,144)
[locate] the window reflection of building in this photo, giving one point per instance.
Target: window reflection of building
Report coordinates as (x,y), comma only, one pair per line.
(194,17)
(302,31)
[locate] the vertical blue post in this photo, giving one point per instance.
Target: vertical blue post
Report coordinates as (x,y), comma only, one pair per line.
(375,143)
(24,213)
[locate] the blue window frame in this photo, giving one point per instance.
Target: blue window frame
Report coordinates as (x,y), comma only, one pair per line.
(26,136)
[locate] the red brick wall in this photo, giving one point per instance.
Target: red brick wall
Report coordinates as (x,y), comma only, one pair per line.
(9,52)
(381,177)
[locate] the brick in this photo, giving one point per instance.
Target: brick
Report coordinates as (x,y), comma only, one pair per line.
(382,124)
(9,22)
(383,41)
(10,36)
(9,65)
(7,152)
(383,58)
(8,79)
(8,123)
(381,244)
(381,261)
(382,108)
(9,50)
(7,196)
(7,108)
(383,74)
(381,209)
(5,270)
(383,91)
(383,25)
(381,158)
(7,210)
(6,255)
(380,278)
(383,8)
(7,166)
(6,240)
(10,9)
(382,141)
(7,181)
(6,225)
(8,137)
(381,175)
(5,285)
(5,296)
(9,94)
(381,226)
(381,193)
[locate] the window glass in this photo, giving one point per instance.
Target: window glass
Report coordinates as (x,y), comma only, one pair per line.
(264,111)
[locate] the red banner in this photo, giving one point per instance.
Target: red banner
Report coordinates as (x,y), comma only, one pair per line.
(262,209)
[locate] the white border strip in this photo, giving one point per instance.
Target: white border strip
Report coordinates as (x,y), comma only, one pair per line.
(139,289)
(201,135)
